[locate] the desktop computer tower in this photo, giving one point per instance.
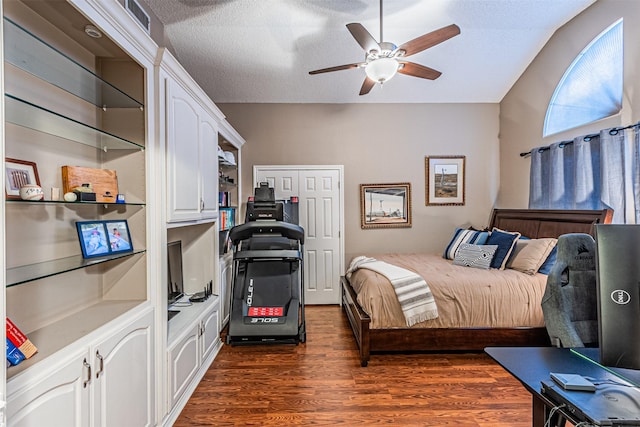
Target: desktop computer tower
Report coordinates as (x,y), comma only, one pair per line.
(618,284)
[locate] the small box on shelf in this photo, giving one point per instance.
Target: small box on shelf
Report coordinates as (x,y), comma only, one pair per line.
(19,347)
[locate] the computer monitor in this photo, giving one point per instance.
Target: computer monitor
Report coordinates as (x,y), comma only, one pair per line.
(618,283)
(175,284)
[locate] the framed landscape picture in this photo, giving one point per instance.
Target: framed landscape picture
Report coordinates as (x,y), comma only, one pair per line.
(385,205)
(445,180)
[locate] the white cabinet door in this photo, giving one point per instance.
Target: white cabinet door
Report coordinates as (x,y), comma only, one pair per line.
(184,361)
(192,159)
(183,140)
(123,376)
(209,166)
(62,399)
(209,332)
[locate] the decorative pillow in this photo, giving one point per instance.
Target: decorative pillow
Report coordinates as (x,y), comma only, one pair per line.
(529,255)
(506,240)
(551,260)
(477,256)
(462,235)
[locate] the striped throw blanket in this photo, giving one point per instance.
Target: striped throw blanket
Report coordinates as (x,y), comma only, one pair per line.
(414,295)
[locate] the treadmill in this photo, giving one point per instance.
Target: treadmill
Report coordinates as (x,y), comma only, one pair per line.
(267,304)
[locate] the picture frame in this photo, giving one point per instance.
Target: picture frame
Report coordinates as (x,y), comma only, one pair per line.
(119,236)
(104,238)
(18,173)
(385,205)
(93,238)
(445,180)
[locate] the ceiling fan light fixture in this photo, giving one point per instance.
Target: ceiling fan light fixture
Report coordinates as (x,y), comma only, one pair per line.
(381,69)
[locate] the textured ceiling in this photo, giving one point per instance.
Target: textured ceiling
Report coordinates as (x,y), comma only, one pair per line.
(262,50)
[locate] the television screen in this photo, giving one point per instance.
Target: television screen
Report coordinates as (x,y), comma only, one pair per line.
(175,289)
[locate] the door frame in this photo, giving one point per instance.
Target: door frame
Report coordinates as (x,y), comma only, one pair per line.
(340,169)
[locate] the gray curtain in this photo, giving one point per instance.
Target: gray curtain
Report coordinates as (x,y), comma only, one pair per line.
(636,173)
(613,172)
(582,174)
(566,175)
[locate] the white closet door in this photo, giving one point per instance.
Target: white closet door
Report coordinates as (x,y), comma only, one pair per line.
(320,209)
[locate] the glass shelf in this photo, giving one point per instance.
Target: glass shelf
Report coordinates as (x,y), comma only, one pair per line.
(71,204)
(35,56)
(226,165)
(31,272)
(26,114)
(227,184)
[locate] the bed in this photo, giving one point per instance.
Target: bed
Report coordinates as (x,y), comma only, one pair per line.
(386,335)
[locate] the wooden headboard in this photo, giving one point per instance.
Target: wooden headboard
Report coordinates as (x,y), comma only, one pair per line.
(539,223)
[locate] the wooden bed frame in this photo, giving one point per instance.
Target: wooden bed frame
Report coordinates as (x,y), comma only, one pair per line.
(531,223)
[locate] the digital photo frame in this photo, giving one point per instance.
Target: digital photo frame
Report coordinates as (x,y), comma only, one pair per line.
(119,236)
(103,238)
(93,238)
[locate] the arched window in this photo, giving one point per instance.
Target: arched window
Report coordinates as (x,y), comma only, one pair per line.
(591,88)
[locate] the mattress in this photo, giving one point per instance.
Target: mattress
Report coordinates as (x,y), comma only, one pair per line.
(466,297)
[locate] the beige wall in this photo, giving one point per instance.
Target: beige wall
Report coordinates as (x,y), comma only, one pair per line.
(380,143)
(522,111)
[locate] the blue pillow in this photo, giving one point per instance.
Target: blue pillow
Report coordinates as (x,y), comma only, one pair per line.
(462,235)
(506,241)
(546,266)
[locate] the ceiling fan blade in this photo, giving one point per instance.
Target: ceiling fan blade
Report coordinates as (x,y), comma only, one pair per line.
(336,68)
(429,40)
(417,70)
(367,85)
(362,36)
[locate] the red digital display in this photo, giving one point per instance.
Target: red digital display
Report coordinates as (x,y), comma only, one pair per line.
(266,311)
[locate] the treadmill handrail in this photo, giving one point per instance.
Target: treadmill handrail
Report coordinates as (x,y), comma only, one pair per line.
(255,228)
(265,254)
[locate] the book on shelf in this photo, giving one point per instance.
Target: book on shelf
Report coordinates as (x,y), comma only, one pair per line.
(227,218)
(19,347)
(224,198)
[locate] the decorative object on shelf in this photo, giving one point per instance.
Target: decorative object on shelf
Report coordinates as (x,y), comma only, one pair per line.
(103,182)
(55,193)
(31,192)
(445,180)
(19,173)
(385,205)
(70,196)
(120,198)
(84,193)
(103,238)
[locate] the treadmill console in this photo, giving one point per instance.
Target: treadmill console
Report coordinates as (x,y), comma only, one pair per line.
(264,206)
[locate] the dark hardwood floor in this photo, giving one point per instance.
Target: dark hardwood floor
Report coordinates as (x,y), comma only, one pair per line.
(321,382)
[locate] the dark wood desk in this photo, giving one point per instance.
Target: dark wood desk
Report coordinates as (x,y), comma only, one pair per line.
(531,365)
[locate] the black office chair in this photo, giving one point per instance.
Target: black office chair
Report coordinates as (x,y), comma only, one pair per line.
(569,303)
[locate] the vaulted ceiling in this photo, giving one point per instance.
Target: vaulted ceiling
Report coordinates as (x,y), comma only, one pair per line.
(262,50)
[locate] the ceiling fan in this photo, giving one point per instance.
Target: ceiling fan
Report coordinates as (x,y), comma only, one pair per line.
(383,60)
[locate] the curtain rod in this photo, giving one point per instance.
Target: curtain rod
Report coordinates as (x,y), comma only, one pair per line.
(563,144)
